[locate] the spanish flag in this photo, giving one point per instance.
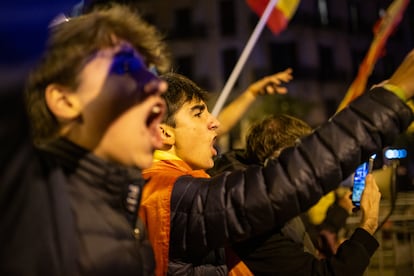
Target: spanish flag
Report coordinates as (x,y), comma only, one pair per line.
(282,13)
(382,30)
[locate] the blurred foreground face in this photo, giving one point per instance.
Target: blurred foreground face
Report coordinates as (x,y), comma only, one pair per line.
(121,107)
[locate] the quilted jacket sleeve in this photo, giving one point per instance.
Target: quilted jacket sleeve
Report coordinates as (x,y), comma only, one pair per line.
(274,254)
(231,207)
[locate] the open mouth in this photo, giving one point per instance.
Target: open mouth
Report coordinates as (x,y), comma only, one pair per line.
(213,148)
(156,114)
(153,121)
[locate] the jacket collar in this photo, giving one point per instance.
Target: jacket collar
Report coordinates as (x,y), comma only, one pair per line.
(163,160)
(123,185)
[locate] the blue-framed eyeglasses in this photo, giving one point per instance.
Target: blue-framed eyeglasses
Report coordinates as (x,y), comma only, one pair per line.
(128,62)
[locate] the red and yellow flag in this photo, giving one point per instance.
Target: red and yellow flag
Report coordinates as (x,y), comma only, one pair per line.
(280,16)
(382,30)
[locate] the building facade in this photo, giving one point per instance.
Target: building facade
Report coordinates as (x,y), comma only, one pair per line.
(324,44)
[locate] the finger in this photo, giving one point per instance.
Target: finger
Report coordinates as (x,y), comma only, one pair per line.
(276,81)
(370,180)
(270,89)
(286,78)
(281,90)
(283,77)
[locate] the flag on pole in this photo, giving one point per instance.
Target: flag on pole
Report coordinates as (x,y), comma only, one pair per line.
(382,30)
(243,57)
(281,14)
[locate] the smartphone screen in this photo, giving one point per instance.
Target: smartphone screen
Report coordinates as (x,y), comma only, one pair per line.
(359,180)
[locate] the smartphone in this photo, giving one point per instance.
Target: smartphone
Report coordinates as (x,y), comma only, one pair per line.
(359,180)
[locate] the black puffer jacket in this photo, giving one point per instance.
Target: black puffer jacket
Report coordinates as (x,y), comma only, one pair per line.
(233,207)
(65,212)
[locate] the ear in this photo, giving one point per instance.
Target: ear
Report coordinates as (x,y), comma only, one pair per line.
(167,134)
(62,102)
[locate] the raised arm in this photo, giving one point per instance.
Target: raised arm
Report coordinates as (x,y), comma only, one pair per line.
(235,206)
(269,85)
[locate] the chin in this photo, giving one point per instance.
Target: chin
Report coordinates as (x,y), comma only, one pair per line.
(210,164)
(204,164)
(201,167)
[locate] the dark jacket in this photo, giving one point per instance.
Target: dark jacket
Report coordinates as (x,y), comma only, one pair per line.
(236,206)
(275,253)
(65,212)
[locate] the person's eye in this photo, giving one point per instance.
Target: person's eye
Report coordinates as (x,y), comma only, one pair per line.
(198,114)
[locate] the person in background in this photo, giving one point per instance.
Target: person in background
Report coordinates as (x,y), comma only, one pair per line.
(70,191)
(267,139)
(326,234)
(192,217)
(290,250)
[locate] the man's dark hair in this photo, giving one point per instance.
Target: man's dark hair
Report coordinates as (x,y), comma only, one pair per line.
(180,91)
(270,136)
(70,46)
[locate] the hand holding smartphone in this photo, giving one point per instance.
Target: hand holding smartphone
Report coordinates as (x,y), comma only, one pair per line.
(359,180)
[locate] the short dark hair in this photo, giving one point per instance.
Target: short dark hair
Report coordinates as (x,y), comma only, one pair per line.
(267,138)
(180,91)
(72,43)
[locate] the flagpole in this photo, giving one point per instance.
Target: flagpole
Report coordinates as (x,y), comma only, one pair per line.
(243,57)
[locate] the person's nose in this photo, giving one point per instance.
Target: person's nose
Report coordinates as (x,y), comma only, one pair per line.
(214,123)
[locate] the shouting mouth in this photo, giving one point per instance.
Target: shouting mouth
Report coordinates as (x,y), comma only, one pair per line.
(154,118)
(213,149)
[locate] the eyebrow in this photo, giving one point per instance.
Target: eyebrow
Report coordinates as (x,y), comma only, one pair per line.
(198,107)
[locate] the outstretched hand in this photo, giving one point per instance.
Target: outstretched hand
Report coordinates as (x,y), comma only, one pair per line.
(236,109)
(272,84)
